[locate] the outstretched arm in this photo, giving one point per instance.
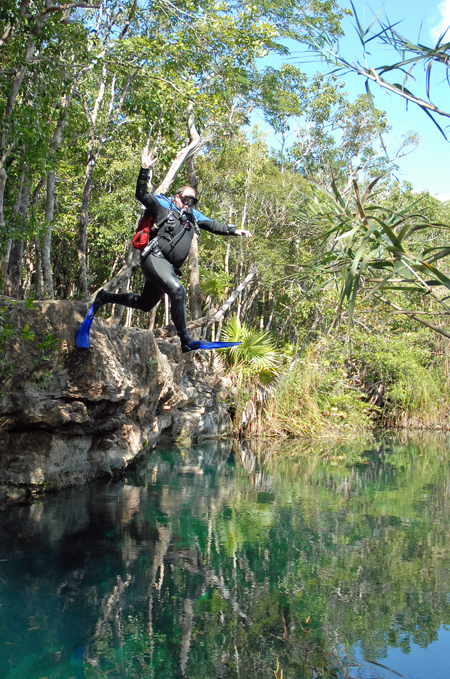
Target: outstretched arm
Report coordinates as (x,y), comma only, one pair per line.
(217,227)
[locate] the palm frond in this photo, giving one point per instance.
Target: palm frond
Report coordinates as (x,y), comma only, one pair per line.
(257,349)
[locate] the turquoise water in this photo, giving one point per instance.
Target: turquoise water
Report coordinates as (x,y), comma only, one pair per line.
(236,561)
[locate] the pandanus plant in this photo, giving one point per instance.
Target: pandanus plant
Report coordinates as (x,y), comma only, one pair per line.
(367,249)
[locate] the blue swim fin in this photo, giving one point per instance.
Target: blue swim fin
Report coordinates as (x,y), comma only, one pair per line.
(194,345)
(82,341)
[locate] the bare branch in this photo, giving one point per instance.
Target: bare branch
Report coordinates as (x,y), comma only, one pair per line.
(220,313)
(60,8)
(182,155)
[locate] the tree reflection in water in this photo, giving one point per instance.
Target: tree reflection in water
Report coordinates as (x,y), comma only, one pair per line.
(230,560)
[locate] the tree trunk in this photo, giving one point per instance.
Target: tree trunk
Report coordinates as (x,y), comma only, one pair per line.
(248,303)
(5,141)
(194,277)
(182,155)
(243,223)
(129,317)
(47,274)
(50,200)
(5,261)
(166,310)
(194,280)
(96,143)
(38,286)
(263,305)
(272,298)
(14,273)
(13,279)
(83,225)
(220,313)
(152,317)
(29,269)
(5,256)
(194,285)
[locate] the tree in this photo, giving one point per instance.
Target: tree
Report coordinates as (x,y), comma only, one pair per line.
(367,249)
(206,55)
(24,42)
(345,141)
(410,55)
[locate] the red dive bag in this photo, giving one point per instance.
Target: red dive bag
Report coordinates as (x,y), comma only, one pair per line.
(143,234)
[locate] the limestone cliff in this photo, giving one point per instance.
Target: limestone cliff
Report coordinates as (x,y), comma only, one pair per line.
(69,414)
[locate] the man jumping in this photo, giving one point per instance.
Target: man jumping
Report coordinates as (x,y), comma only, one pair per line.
(174,225)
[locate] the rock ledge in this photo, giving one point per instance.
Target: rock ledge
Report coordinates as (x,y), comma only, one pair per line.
(68,414)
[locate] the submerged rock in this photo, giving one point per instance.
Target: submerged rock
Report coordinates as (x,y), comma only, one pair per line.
(68,414)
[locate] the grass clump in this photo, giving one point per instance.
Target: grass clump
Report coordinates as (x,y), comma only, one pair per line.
(342,389)
(314,399)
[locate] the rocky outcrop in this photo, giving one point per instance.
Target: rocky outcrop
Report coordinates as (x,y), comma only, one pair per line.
(69,414)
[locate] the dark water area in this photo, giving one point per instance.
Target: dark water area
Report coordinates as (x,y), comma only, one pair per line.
(236,561)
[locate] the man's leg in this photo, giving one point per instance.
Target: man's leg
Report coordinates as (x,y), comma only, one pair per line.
(149,298)
(160,272)
(146,301)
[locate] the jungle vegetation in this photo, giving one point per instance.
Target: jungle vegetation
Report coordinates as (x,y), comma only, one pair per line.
(341,296)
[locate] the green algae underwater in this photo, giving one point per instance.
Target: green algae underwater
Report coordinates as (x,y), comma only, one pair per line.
(236,560)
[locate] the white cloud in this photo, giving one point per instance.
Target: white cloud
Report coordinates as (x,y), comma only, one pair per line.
(443,197)
(444,23)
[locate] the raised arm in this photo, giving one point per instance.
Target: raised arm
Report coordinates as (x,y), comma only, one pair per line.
(142,194)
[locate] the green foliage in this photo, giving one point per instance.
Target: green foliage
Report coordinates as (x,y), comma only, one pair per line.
(404,375)
(340,135)
(257,351)
(7,333)
(41,378)
(396,77)
(343,389)
(123,83)
(48,346)
(314,399)
(214,284)
(367,248)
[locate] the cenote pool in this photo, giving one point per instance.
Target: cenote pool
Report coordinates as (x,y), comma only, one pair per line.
(235,561)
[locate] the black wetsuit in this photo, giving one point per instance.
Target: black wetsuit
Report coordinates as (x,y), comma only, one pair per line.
(161,268)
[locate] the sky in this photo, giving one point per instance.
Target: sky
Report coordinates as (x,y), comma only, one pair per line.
(428,167)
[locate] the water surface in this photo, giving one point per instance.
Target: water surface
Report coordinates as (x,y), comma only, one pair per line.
(232,561)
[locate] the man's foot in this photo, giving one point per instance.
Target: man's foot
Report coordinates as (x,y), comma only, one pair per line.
(185,348)
(188,344)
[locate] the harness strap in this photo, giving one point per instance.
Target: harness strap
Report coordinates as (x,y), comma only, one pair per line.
(151,247)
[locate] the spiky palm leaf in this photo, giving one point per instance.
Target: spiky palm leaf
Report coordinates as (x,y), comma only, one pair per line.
(367,248)
(396,77)
(214,284)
